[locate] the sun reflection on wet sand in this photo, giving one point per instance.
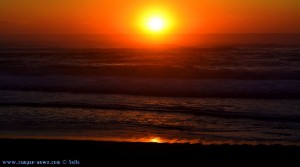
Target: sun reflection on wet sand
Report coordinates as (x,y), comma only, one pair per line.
(156,140)
(151,139)
(148,139)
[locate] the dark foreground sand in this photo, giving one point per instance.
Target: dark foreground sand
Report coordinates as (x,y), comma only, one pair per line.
(90,153)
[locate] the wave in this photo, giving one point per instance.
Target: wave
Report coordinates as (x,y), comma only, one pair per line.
(196,111)
(234,62)
(157,71)
(269,89)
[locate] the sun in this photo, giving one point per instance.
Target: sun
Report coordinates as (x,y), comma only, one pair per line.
(156,24)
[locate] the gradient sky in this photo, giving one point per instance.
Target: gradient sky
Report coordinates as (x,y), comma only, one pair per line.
(122,16)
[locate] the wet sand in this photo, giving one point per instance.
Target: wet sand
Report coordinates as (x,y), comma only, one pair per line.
(88,153)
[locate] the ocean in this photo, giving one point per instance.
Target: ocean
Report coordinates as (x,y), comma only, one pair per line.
(221,93)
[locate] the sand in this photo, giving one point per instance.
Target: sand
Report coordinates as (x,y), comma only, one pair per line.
(87,153)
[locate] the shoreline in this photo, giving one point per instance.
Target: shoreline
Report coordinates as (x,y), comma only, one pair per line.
(96,152)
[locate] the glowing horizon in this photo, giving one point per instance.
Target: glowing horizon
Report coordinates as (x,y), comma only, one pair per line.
(119,17)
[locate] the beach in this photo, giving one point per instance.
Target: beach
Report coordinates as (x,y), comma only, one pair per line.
(149,83)
(192,104)
(98,153)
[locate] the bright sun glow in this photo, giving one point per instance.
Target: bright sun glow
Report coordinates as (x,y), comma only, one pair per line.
(156,24)
(155,140)
(157,21)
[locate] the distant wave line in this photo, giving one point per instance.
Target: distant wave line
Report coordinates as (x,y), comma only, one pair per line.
(219,113)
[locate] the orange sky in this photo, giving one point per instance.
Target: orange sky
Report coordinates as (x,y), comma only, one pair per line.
(123,16)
